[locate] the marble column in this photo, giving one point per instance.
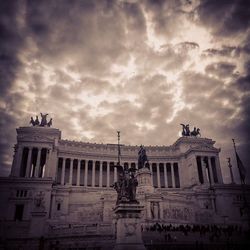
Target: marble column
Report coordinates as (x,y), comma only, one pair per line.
(44,166)
(38,162)
(93,173)
(71,171)
(218,169)
(108,174)
(158,175)
(204,171)
(28,167)
(100,175)
(172,174)
(78,172)
(86,173)
(115,174)
(47,165)
(151,170)
(165,175)
(210,170)
(63,171)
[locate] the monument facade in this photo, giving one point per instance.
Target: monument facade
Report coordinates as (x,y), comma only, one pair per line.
(61,193)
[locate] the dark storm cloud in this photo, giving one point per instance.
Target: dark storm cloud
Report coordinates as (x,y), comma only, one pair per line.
(7,136)
(243,83)
(214,101)
(225,17)
(167,16)
(197,82)
(84,29)
(226,51)
(11,42)
(222,69)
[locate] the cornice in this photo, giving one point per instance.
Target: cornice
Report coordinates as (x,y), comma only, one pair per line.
(25,180)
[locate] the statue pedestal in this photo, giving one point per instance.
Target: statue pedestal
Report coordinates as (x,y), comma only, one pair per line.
(144,177)
(128,227)
(37,224)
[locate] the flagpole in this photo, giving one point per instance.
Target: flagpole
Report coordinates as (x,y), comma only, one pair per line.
(241,179)
(119,150)
(231,172)
(236,159)
(245,203)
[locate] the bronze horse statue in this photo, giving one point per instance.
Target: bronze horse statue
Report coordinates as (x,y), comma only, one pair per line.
(195,132)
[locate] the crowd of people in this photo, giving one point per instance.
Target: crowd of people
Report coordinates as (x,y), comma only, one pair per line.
(212,231)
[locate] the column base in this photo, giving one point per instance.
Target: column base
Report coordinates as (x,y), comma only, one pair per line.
(37,224)
(128,227)
(144,181)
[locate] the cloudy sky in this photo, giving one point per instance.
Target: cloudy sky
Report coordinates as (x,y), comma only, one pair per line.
(141,67)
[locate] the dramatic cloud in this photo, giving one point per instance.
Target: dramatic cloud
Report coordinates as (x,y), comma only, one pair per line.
(142,67)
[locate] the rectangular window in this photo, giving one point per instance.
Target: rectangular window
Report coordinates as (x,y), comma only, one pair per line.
(19,212)
(58,206)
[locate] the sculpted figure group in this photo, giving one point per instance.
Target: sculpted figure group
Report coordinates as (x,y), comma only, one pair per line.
(127,182)
(43,122)
(186,131)
(126,185)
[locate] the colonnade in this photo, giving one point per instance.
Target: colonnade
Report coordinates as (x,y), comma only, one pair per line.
(96,173)
(33,161)
(86,172)
(165,175)
(207,170)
